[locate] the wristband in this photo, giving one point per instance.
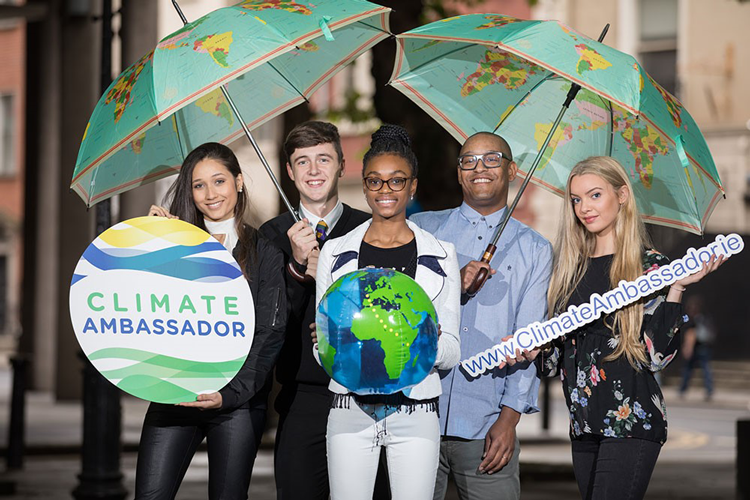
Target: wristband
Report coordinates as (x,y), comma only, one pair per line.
(678,288)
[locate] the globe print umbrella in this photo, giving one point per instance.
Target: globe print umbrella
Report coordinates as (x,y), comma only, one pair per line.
(488,72)
(270,54)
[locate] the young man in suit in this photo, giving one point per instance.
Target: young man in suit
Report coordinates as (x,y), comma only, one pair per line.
(315,163)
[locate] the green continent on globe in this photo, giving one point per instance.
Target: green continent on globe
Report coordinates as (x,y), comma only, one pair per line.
(377,331)
(325,349)
(381,306)
(499,67)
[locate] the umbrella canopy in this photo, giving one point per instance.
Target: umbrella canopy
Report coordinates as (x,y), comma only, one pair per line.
(488,72)
(270,54)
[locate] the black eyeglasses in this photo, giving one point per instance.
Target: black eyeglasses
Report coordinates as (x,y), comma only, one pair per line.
(394,183)
(492,159)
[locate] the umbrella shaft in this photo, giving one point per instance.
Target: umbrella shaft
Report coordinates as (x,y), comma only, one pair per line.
(249,135)
(260,155)
(179,11)
(499,231)
(574,88)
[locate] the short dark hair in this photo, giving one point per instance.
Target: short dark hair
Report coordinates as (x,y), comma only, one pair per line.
(393,140)
(312,133)
(504,146)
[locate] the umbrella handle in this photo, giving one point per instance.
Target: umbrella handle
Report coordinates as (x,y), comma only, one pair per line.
(483,273)
(294,273)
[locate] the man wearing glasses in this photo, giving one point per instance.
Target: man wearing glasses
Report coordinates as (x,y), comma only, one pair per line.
(478,417)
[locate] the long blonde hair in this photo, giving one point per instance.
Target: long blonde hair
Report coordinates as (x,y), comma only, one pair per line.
(575,245)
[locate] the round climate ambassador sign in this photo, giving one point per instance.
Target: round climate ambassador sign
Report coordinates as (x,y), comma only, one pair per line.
(162,309)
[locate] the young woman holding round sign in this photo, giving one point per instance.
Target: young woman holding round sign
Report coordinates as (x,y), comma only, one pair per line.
(405,423)
(209,193)
(607,367)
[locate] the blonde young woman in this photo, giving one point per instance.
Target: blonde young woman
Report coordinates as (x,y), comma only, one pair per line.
(607,367)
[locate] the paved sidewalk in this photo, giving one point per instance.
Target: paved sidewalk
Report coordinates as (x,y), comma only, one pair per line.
(697,461)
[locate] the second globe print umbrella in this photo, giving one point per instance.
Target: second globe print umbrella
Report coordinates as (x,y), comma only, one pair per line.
(558,97)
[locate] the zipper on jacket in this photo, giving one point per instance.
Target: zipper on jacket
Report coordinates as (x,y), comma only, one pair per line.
(276,308)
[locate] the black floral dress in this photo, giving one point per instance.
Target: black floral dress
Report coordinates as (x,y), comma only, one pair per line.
(611,398)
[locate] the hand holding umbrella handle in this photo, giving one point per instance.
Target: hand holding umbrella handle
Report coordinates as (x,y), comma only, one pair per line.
(481,276)
(302,278)
(483,273)
(294,273)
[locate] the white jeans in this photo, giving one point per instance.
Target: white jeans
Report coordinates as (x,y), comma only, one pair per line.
(410,435)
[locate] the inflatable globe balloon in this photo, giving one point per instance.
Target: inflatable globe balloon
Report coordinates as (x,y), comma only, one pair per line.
(377,331)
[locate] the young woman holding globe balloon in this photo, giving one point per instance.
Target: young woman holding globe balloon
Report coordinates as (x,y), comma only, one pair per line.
(209,193)
(406,422)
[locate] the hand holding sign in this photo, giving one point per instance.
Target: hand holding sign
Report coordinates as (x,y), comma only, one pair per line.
(708,267)
(158,211)
(211,401)
(519,355)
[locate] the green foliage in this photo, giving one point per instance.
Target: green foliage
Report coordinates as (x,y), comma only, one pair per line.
(350,110)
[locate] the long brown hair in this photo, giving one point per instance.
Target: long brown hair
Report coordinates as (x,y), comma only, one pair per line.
(575,245)
(183,206)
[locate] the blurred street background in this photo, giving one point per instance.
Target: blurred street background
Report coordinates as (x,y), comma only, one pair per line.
(698,461)
(50,80)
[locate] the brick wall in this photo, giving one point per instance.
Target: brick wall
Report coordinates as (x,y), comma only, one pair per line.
(12,77)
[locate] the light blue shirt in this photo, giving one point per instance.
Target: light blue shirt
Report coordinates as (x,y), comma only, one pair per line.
(512,298)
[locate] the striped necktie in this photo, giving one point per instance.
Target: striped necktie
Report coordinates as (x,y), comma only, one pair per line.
(321,231)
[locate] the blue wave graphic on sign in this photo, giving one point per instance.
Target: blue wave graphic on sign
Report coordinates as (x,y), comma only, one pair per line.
(176,262)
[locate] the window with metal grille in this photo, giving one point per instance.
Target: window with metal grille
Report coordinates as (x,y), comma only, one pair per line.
(7,135)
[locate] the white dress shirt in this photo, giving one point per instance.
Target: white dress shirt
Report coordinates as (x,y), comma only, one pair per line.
(331,218)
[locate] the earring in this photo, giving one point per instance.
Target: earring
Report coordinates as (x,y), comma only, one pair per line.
(241,188)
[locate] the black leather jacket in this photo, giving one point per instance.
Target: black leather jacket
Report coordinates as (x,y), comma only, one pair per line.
(296,364)
(266,276)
